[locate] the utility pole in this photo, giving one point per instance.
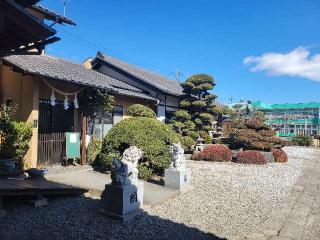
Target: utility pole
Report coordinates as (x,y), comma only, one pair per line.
(64,7)
(177,74)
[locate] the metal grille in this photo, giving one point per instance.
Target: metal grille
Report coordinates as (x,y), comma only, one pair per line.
(54,122)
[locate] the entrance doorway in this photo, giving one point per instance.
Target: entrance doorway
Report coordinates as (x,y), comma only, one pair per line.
(54,122)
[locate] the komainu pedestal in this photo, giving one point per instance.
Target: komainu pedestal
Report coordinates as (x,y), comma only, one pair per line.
(177,176)
(123,202)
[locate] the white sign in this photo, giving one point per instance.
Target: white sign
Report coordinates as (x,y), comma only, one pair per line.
(73,138)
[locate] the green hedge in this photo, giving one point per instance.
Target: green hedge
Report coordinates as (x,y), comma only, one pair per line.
(138,110)
(302,140)
(152,136)
(15,136)
(94,149)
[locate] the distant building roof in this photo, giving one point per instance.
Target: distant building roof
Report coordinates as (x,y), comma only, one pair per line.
(162,83)
(264,106)
(60,69)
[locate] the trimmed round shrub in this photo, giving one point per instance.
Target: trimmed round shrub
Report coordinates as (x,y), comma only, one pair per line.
(152,136)
(198,104)
(250,157)
(206,137)
(302,140)
(215,153)
(138,110)
(94,149)
(144,172)
(184,104)
(182,115)
(280,156)
(103,161)
(188,143)
(194,135)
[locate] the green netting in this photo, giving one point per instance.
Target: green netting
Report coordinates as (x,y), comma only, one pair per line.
(296,121)
(265,106)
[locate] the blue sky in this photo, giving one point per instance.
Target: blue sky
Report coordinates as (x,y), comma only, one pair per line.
(255,49)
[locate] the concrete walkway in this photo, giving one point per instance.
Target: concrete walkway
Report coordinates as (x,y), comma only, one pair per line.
(299,219)
(94,181)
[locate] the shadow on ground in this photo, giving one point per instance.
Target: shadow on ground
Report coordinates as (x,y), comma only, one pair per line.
(79,218)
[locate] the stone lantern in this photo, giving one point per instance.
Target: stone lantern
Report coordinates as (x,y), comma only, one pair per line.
(199,146)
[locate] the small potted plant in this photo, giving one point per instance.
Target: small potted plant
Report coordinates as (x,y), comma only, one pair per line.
(37,172)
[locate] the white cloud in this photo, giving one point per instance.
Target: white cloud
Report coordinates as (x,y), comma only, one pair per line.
(297,63)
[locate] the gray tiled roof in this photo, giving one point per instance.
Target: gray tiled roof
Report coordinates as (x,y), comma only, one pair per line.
(60,69)
(165,84)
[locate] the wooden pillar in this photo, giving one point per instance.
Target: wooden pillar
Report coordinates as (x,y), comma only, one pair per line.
(83,139)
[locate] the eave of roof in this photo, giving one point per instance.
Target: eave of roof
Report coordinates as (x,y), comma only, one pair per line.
(50,15)
(20,28)
(30,16)
(163,84)
(62,70)
(26,3)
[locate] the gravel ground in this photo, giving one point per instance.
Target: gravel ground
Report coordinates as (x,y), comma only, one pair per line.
(228,200)
(62,169)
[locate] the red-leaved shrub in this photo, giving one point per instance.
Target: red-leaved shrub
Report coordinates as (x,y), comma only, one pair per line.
(280,156)
(215,153)
(250,157)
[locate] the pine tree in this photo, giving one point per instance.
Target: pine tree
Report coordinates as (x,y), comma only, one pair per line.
(196,114)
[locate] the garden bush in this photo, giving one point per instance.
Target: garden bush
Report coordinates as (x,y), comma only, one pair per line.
(144,172)
(250,157)
(196,114)
(103,161)
(253,134)
(152,136)
(215,153)
(280,156)
(187,143)
(94,149)
(302,140)
(14,136)
(138,110)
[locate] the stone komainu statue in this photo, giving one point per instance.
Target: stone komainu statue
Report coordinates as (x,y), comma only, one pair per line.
(125,171)
(177,156)
(119,173)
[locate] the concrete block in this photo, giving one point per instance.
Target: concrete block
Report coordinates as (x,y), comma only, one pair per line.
(177,178)
(123,202)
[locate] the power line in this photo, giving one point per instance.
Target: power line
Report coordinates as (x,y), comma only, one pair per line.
(96,46)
